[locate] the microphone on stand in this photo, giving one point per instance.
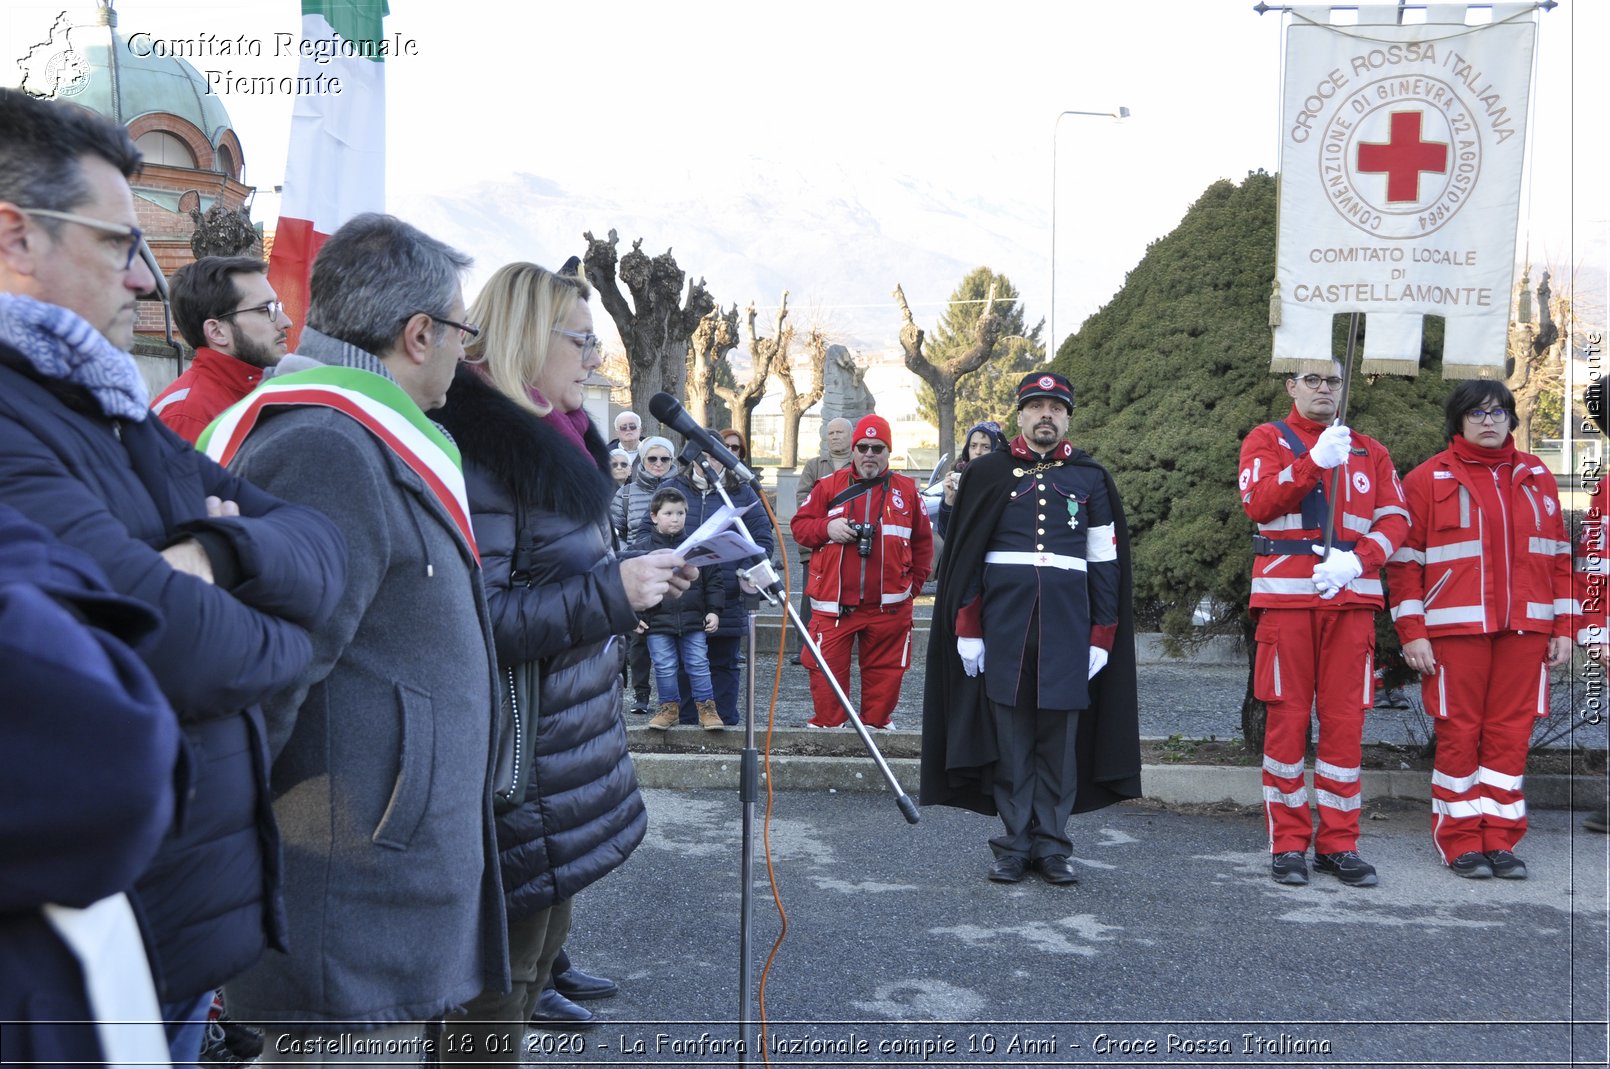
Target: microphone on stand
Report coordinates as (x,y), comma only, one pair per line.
(669,411)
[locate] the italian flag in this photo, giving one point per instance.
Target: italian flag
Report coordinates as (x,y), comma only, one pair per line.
(336,167)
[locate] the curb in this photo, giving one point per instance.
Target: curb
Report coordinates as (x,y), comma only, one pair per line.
(1169,784)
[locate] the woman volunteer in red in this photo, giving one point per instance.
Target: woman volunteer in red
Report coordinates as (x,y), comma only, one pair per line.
(1481,595)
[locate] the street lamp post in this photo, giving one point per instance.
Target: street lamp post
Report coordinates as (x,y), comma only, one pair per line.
(1121,113)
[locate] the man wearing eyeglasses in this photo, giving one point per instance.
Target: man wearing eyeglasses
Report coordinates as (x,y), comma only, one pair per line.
(836,454)
(871,551)
(1036,571)
(1315,616)
(234,321)
(239,577)
(628,433)
(386,745)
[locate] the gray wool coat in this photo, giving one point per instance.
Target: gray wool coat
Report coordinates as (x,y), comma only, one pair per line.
(383,752)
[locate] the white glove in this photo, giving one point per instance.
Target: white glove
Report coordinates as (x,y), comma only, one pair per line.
(1333,446)
(972,651)
(1098,661)
(1335,571)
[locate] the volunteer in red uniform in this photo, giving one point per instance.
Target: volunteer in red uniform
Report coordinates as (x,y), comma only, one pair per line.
(1316,616)
(1481,594)
(231,316)
(871,551)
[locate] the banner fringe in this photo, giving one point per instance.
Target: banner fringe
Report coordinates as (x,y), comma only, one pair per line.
(1375,365)
(1297,365)
(1453,370)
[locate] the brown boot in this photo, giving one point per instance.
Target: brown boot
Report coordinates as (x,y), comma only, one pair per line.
(709,719)
(669,711)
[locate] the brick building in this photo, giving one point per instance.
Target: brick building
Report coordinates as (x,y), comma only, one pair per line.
(192,156)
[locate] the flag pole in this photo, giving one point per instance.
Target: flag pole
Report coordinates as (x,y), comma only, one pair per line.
(1341,419)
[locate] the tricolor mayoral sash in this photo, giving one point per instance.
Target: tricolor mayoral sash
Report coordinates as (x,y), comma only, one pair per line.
(380,405)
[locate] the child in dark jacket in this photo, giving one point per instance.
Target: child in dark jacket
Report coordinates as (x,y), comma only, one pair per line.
(676,627)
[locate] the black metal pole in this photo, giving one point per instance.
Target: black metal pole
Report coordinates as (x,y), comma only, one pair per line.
(749,793)
(1341,418)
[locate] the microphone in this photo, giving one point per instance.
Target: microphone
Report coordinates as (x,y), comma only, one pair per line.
(669,411)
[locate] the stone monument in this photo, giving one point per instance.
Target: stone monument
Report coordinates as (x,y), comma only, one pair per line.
(844,391)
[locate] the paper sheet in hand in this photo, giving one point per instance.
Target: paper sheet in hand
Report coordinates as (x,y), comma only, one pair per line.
(721,537)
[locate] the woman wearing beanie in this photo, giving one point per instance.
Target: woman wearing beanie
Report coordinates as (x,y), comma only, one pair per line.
(655,463)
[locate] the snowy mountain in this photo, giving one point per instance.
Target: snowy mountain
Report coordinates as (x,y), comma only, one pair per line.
(837,238)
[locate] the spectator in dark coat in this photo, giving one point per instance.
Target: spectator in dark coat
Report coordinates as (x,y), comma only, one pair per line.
(654,464)
(539,492)
(80,708)
(385,749)
(983,439)
(727,641)
(676,629)
(238,576)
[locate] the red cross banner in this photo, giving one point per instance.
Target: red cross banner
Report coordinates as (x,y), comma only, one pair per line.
(1400,185)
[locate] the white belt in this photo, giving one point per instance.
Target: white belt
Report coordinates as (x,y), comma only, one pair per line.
(1039,560)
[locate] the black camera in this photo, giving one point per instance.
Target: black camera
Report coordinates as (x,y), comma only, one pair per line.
(863,538)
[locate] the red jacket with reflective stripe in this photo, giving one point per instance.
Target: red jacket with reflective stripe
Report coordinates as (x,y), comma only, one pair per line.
(1487,550)
(904,549)
(1371,513)
(213,382)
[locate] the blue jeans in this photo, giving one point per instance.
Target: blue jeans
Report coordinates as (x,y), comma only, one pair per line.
(186,1025)
(725,680)
(688,651)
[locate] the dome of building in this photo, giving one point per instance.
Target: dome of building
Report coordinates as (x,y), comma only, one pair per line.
(162,99)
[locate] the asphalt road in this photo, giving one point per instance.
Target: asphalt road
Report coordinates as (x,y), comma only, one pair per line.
(1192,700)
(1175,949)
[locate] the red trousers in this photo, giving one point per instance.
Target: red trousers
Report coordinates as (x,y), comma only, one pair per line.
(1304,654)
(885,641)
(1486,692)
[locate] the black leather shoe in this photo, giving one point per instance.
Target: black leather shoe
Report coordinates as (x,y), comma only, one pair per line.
(578,986)
(1348,867)
(559,1013)
(1506,866)
(1290,867)
(1008,868)
(1056,869)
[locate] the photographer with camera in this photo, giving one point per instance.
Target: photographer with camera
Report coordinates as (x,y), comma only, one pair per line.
(871,551)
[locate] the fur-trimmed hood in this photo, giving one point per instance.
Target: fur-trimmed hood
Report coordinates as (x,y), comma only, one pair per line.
(521,450)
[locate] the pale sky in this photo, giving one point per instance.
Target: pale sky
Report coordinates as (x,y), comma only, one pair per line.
(957,92)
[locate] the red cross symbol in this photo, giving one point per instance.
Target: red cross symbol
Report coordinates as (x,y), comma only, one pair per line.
(1403,157)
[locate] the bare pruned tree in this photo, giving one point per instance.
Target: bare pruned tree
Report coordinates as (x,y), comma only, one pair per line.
(1537,354)
(986,335)
(766,353)
(714,337)
(657,326)
(796,404)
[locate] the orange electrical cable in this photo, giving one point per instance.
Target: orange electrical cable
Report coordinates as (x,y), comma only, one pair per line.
(771,725)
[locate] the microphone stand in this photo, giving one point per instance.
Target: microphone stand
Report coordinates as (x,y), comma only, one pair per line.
(764,577)
(769,585)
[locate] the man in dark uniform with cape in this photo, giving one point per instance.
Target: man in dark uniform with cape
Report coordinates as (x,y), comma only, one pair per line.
(1037,566)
